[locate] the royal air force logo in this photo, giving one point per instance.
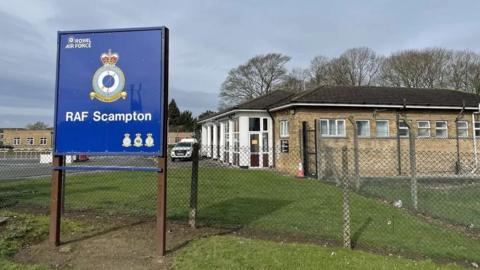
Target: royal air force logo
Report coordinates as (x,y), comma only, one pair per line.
(108,82)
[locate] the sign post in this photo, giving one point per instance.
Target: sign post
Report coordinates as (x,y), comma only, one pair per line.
(111,99)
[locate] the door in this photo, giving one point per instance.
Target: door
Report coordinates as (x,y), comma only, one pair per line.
(254,150)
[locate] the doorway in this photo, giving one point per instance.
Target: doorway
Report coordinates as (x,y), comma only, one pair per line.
(254,150)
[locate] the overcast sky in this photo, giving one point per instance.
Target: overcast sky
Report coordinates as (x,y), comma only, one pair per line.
(208,38)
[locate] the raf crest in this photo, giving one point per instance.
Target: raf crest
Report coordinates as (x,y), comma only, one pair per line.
(108,81)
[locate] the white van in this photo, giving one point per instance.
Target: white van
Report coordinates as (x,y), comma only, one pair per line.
(183,149)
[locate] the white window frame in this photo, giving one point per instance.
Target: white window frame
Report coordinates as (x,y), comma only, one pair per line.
(441,128)
(465,128)
(336,128)
(403,128)
(30,141)
(284,126)
(475,128)
(376,128)
(428,128)
(43,141)
(368,128)
(17,141)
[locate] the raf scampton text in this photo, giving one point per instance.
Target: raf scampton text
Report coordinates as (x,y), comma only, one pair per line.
(107,117)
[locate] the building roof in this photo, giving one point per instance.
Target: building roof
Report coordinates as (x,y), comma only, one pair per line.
(360,96)
(260,103)
(386,96)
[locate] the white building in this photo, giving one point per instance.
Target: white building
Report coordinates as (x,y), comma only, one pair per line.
(243,135)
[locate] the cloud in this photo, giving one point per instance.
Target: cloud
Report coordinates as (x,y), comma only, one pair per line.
(208,38)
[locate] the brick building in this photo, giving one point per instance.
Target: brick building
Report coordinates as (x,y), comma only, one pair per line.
(176,136)
(20,138)
(381,115)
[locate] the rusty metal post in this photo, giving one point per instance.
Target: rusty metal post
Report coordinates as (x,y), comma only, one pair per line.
(356,162)
(192,220)
(399,149)
(161,206)
(318,149)
(413,167)
(56,201)
(347,240)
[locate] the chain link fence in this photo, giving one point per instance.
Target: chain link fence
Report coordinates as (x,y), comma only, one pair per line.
(421,199)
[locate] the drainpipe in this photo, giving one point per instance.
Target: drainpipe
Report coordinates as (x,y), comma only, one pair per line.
(273,139)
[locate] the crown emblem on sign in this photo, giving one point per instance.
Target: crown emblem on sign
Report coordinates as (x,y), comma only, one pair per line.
(109,58)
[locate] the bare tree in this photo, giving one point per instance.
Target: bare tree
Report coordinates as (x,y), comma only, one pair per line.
(355,67)
(319,71)
(255,78)
(361,66)
(425,68)
(37,125)
(295,81)
(464,71)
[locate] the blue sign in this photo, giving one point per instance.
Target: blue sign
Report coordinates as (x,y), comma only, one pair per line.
(111,92)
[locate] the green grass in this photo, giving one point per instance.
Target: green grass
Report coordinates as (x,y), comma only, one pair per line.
(257,200)
(452,202)
(23,229)
(226,252)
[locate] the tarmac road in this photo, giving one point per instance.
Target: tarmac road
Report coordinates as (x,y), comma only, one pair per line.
(11,169)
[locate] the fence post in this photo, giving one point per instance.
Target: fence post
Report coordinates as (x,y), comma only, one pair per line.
(355,153)
(318,148)
(413,166)
(399,150)
(458,167)
(194,188)
(55,201)
(301,148)
(347,241)
(306,162)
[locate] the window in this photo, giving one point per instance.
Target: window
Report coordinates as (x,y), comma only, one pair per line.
(283,128)
(226,135)
(236,142)
(236,136)
(43,141)
(441,129)
(423,128)
(402,129)
(363,128)
(382,128)
(30,141)
(265,124)
(265,142)
(462,129)
(16,141)
(254,124)
(477,128)
(332,127)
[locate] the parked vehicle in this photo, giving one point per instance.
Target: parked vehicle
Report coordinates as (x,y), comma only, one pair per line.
(183,150)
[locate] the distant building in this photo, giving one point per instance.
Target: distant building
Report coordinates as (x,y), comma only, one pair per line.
(174,137)
(273,130)
(21,138)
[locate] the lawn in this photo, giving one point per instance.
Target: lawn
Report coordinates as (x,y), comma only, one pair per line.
(455,202)
(255,199)
(227,252)
(23,229)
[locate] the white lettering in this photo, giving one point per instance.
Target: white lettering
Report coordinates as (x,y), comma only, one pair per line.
(68,116)
(121,117)
(76,116)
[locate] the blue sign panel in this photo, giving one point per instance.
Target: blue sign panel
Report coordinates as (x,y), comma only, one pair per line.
(111,92)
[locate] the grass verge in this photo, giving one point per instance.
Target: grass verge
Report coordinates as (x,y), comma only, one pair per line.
(227,252)
(258,200)
(23,229)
